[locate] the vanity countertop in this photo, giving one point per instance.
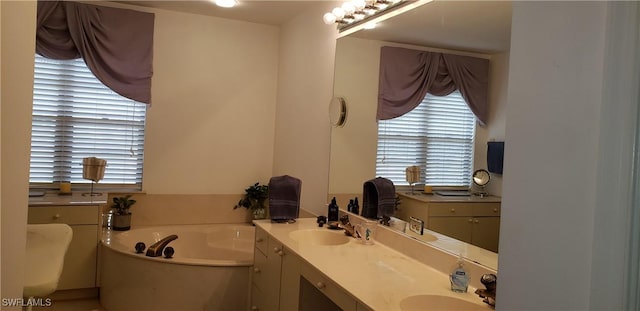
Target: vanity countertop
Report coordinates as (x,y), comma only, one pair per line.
(435,198)
(378,276)
(76,198)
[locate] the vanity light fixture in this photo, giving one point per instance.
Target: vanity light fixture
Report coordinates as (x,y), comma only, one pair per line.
(226,3)
(355,15)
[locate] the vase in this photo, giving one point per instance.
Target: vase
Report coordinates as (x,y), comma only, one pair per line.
(259,213)
(121,222)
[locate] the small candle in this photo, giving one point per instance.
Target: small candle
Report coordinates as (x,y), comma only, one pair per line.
(428,189)
(65,187)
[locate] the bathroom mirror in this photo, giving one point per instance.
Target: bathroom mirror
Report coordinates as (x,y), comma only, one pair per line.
(471,28)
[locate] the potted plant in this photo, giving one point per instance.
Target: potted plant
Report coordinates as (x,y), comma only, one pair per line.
(121,214)
(254,199)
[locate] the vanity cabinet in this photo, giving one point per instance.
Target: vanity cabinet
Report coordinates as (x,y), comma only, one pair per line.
(472,220)
(268,255)
(283,281)
(80,262)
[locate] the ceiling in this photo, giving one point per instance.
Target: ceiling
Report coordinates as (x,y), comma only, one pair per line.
(477,26)
(255,11)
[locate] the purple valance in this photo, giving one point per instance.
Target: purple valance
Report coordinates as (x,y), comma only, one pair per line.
(406,76)
(116,44)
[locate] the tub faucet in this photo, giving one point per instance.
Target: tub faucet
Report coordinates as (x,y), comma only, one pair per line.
(156,249)
(489,294)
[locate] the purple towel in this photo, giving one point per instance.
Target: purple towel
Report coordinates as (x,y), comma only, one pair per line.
(379,198)
(284,197)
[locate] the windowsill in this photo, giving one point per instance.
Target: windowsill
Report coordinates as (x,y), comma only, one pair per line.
(75,198)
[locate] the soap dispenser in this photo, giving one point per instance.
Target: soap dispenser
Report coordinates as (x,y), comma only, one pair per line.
(459,277)
(332,213)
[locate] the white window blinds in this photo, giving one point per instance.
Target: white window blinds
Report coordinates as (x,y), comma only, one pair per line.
(437,136)
(76,116)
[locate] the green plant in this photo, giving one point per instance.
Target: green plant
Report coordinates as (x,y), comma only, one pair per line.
(123,204)
(255,197)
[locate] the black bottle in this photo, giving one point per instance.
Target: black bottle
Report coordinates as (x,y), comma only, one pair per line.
(355,208)
(332,214)
(350,206)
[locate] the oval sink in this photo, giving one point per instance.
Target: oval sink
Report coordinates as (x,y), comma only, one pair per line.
(319,236)
(437,302)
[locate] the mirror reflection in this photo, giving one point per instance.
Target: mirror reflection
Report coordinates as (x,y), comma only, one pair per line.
(365,148)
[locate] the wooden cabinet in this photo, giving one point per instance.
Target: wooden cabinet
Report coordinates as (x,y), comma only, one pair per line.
(80,263)
(268,258)
(283,281)
(474,222)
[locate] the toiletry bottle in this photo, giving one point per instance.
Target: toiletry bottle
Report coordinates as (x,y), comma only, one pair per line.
(332,214)
(355,208)
(459,277)
(350,206)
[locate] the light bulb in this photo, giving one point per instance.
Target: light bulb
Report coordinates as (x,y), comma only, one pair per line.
(359,5)
(226,3)
(329,18)
(338,12)
(348,8)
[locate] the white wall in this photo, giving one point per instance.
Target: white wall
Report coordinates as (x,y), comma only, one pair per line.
(210,129)
(354,146)
(553,133)
(305,83)
(18,45)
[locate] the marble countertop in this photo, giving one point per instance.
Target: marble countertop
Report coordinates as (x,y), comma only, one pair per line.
(421,196)
(378,276)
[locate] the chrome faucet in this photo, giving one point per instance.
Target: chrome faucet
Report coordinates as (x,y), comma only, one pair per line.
(156,249)
(349,229)
(489,294)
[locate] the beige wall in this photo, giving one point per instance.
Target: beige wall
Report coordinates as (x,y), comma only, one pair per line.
(18,43)
(210,129)
(305,84)
(354,146)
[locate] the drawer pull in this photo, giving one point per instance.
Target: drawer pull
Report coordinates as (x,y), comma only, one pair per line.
(256,270)
(259,240)
(470,220)
(476,221)
(276,249)
(254,308)
(320,285)
(495,210)
(453,210)
(56,216)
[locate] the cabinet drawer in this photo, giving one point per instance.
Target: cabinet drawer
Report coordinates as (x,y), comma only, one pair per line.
(259,270)
(328,288)
(486,209)
(71,215)
(261,240)
(257,299)
(450,209)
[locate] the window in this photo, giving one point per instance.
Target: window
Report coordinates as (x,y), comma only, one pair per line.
(437,136)
(76,116)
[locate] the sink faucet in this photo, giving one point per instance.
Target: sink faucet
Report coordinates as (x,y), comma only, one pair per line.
(349,229)
(156,249)
(489,294)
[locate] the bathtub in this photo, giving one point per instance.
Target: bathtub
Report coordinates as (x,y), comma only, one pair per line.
(210,269)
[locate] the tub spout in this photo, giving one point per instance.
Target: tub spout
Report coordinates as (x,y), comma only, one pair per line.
(156,249)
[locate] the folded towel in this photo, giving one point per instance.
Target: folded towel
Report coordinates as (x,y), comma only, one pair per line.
(284,197)
(379,198)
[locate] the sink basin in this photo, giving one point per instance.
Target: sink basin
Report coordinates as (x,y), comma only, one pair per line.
(437,302)
(319,236)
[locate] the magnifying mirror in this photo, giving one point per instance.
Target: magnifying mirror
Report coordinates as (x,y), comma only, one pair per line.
(481,178)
